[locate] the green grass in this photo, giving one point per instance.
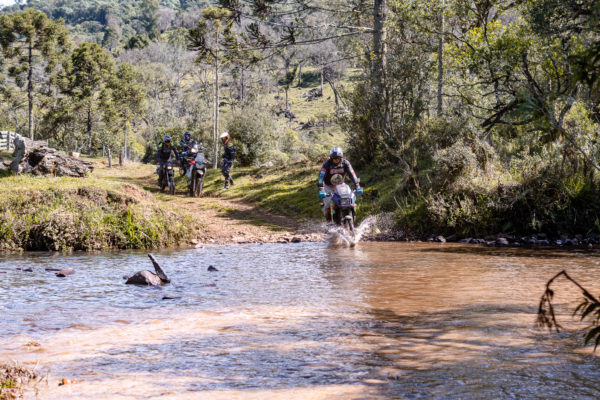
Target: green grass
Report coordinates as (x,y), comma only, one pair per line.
(52,213)
(290,191)
(286,191)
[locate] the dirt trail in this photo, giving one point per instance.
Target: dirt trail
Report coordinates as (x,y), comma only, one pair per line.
(220,220)
(229,221)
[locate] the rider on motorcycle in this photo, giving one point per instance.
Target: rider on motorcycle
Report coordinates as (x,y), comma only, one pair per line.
(186,142)
(185,145)
(336,165)
(164,155)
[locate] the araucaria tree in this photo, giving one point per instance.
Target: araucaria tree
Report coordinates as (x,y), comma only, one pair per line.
(87,76)
(30,39)
(206,39)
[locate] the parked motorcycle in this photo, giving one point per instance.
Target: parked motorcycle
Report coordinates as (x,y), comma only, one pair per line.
(195,171)
(167,178)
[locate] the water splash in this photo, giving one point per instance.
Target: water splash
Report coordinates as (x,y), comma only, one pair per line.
(340,237)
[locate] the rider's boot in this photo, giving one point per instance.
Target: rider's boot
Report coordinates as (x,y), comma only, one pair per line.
(231,181)
(328,215)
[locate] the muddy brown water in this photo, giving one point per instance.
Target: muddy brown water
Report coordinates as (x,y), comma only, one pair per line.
(300,321)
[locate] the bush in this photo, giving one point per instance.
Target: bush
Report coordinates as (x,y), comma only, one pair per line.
(251,129)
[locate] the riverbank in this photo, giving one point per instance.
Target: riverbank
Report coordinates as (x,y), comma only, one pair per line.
(121,208)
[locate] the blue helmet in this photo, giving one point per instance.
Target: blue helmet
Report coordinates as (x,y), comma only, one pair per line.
(187,135)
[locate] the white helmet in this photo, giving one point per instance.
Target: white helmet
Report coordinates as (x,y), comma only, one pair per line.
(224,135)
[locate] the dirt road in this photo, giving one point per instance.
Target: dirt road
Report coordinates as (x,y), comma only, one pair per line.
(219,220)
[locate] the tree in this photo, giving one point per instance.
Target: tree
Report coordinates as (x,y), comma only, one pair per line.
(31,38)
(206,41)
(137,42)
(88,74)
(149,17)
(125,101)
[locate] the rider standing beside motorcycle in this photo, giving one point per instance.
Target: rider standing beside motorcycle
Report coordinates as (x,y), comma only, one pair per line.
(336,165)
(164,155)
(228,157)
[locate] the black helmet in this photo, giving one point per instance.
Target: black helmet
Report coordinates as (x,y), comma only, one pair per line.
(336,152)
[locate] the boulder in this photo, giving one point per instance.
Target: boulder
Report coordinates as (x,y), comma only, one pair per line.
(35,157)
(312,94)
(502,242)
(144,278)
(148,277)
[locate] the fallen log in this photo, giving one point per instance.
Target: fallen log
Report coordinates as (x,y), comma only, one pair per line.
(35,157)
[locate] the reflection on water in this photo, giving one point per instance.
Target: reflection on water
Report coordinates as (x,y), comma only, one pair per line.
(301,321)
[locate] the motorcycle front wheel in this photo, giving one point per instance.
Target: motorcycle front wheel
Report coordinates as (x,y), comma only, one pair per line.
(349,226)
(163,184)
(171,184)
(197,185)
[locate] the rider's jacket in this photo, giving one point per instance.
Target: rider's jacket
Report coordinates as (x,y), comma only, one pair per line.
(185,145)
(164,153)
(329,169)
(229,152)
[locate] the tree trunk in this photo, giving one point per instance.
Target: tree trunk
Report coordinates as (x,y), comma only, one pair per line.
(89,129)
(125,134)
(216,105)
(322,81)
(440,77)
(30,90)
(379,37)
(335,94)
(299,75)
(379,67)
(287,103)
(243,94)
(109,159)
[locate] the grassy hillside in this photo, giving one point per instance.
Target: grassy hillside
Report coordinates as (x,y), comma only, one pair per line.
(41,213)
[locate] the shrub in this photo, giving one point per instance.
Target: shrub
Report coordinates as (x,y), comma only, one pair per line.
(252,131)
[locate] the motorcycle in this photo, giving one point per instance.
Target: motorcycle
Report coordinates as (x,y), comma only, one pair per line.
(167,178)
(343,205)
(196,169)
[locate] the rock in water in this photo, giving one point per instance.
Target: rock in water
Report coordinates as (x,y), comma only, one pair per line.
(212,269)
(65,272)
(148,277)
(144,278)
(35,157)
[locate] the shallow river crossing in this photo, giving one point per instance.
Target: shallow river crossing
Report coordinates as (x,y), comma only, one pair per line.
(300,321)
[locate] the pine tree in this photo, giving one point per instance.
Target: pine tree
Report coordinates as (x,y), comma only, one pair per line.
(28,39)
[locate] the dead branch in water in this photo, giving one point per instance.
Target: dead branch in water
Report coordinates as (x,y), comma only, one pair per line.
(546,316)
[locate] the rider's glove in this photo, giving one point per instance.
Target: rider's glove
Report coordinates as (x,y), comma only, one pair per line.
(322,193)
(358,190)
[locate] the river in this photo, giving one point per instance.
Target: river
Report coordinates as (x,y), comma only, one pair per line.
(301,321)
